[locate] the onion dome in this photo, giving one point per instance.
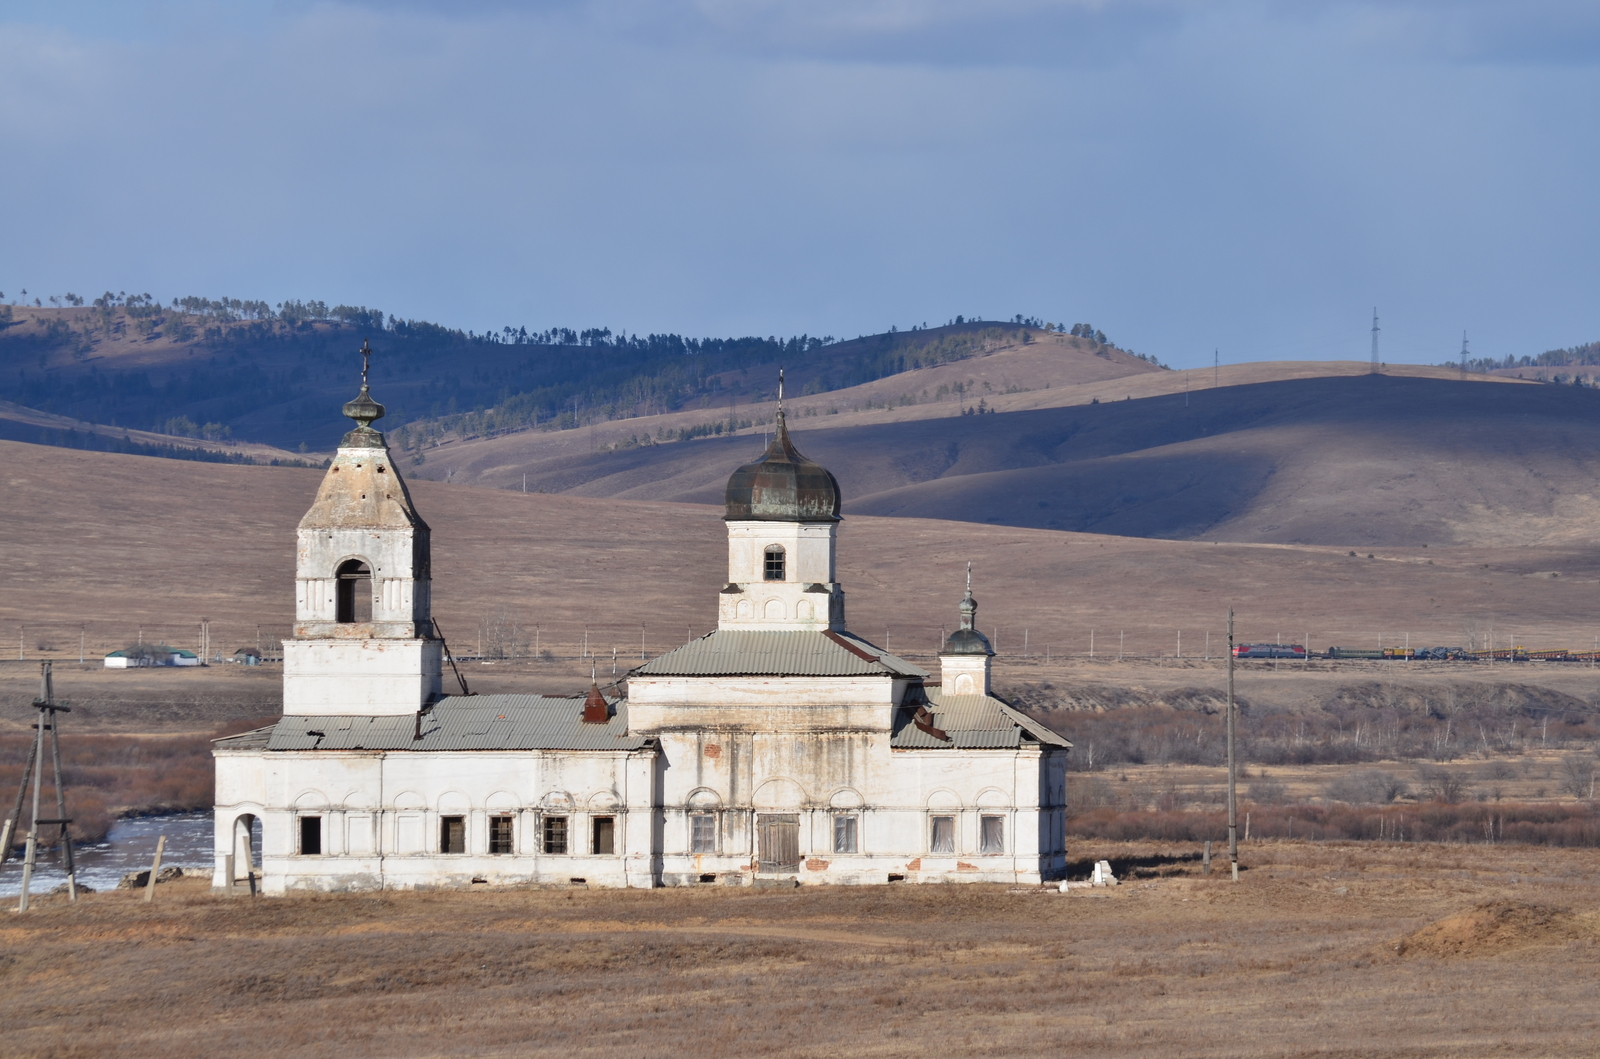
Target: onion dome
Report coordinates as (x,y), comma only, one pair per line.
(364,410)
(782,486)
(967,640)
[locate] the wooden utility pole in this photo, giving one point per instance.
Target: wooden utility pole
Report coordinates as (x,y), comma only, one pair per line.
(48,708)
(1233,771)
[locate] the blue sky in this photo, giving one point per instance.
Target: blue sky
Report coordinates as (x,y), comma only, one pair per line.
(1251,176)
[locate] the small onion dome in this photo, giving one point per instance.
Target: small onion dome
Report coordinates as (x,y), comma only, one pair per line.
(782,486)
(967,642)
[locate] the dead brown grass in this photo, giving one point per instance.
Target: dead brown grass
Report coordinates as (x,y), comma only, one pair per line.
(1496,927)
(1299,958)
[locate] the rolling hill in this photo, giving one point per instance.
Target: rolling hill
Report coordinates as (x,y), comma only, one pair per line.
(1343,459)
(247,371)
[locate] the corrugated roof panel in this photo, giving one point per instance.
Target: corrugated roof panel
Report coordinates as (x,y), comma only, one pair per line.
(971,722)
(778,653)
(255,739)
(478,722)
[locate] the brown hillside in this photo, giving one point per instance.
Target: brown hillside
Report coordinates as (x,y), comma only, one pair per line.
(1350,460)
(115,544)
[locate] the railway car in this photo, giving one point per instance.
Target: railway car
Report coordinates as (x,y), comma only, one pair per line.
(1499,654)
(1556,655)
(1356,652)
(1269,650)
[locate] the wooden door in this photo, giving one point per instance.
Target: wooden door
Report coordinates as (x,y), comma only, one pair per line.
(778,840)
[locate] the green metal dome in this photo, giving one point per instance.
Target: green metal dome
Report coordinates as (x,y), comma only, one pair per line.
(782,486)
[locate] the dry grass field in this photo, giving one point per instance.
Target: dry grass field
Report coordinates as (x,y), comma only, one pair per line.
(112,547)
(1319,950)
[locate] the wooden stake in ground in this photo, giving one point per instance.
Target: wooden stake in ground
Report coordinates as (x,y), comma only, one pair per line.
(155,869)
(1233,803)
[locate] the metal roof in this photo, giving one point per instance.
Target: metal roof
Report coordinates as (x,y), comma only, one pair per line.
(778,653)
(972,722)
(782,486)
(255,739)
(460,722)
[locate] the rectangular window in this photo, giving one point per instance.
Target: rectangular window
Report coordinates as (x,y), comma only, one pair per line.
(844,833)
(500,835)
(702,833)
(992,834)
(452,834)
(943,836)
(603,830)
(311,835)
(555,834)
(774,563)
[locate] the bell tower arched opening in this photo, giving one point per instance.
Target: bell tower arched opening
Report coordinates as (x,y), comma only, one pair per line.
(354,592)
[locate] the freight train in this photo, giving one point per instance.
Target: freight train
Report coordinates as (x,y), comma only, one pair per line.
(1460,654)
(1269,650)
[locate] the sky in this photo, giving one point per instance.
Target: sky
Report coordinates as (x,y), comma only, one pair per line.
(1249,178)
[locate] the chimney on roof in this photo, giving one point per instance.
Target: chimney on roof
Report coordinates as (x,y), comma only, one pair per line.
(595,708)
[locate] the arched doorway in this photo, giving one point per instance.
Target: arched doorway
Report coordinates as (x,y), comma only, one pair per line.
(246,847)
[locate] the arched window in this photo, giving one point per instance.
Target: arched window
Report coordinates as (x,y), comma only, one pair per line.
(354,592)
(775,562)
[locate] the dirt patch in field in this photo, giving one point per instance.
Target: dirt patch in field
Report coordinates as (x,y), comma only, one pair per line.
(1497,927)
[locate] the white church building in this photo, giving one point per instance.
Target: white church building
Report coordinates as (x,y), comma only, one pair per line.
(779,749)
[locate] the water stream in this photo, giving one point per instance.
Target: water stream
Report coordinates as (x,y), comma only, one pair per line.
(129,846)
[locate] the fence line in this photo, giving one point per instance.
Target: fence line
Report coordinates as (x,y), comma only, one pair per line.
(498,636)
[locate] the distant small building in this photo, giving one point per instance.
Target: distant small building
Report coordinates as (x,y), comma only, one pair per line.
(247,656)
(154,655)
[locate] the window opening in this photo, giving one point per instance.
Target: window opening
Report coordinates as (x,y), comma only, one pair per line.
(844,833)
(555,834)
(702,833)
(604,834)
(992,834)
(943,837)
(354,592)
(775,563)
(500,835)
(311,835)
(452,834)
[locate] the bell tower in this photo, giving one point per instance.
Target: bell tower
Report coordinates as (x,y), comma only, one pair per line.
(783,519)
(363,636)
(966,659)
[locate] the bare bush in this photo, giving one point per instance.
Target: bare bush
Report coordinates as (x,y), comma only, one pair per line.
(1578,775)
(1441,784)
(1367,787)
(1266,791)
(1501,769)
